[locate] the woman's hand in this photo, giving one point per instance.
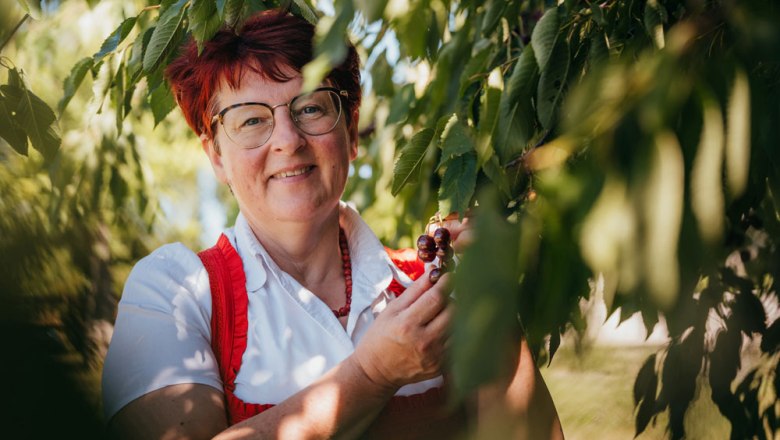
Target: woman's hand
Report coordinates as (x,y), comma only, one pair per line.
(406,343)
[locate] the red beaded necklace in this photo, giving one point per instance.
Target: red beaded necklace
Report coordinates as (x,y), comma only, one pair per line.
(347,266)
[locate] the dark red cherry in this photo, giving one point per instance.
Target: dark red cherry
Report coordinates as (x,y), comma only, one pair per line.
(444,254)
(426,256)
(442,237)
(435,274)
(425,243)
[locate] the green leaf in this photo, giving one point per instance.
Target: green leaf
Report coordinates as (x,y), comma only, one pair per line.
(330,46)
(204,21)
(407,166)
(706,176)
(162,102)
(654,18)
(118,186)
(32,7)
(738,136)
(544,36)
(35,117)
(316,70)
(455,141)
(15,79)
(163,34)
(645,394)
(73,81)
(10,130)
(483,51)
(458,184)
(488,118)
(553,84)
(115,39)
(382,77)
(118,97)
(412,30)
(221,8)
(135,63)
(399,106)
(305,10)
(598,52)
(234,12)
(598,14)
(372,10)
(497,174)
(485,321)
(494,11)
(516,114)
(128,101)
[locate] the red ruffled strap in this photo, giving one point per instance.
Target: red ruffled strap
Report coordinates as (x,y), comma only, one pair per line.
(407,261)
(229,324)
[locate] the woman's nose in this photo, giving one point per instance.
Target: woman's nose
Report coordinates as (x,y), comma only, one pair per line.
(286,137)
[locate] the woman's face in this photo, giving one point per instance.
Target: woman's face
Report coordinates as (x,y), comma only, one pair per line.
(293,177)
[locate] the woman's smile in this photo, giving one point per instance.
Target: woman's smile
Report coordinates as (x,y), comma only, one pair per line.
(287,175)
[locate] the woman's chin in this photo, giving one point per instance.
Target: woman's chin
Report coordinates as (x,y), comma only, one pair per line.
(304,212)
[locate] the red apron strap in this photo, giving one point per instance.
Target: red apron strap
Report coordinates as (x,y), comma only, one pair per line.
(229,302)
(407,261)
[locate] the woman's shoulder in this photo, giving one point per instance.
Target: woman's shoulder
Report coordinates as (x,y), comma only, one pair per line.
(171,271)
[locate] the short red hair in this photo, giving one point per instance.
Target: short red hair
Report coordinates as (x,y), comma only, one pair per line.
(267,43)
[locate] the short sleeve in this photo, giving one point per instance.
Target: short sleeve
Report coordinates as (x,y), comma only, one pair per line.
(162,334)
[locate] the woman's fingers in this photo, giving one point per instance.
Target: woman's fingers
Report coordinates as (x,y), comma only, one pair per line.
(440,323)
(430,303)
(414,291)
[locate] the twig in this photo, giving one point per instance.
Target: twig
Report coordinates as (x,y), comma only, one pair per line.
(26,16)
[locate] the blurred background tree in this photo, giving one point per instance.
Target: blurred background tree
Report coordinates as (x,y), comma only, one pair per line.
(628,144)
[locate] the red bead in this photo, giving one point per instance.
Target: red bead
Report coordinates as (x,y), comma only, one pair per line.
(347,267)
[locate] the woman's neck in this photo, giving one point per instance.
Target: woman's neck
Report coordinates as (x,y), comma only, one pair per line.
(308,251)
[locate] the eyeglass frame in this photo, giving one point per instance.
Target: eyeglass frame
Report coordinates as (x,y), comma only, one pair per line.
(219,117)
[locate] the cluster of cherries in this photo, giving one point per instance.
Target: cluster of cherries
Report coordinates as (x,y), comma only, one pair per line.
(428,248)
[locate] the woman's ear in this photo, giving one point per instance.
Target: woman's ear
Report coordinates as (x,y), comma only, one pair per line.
(211,148)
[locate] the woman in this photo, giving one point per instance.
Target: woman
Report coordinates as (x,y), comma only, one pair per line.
(289,327)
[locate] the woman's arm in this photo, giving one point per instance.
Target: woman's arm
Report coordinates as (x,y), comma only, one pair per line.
(518,406)
(404,345)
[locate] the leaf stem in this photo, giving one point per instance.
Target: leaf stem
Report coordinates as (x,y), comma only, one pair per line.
(11,35)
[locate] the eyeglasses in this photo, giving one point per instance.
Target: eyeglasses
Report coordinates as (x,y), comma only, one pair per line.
(250,124)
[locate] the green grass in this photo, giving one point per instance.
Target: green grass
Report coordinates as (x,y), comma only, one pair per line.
(594,397)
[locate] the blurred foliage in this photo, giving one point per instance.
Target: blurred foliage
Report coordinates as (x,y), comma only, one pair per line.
(630,140)
(77,215)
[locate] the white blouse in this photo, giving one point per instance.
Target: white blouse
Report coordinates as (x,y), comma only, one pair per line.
(162,334)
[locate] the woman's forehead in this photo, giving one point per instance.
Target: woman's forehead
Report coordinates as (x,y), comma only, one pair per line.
(254,86)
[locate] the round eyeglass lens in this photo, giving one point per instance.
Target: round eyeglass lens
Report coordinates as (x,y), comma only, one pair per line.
(317,112)
(249,125)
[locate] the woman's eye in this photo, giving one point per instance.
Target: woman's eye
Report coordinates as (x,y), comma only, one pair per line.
(251,122)
(310,110)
